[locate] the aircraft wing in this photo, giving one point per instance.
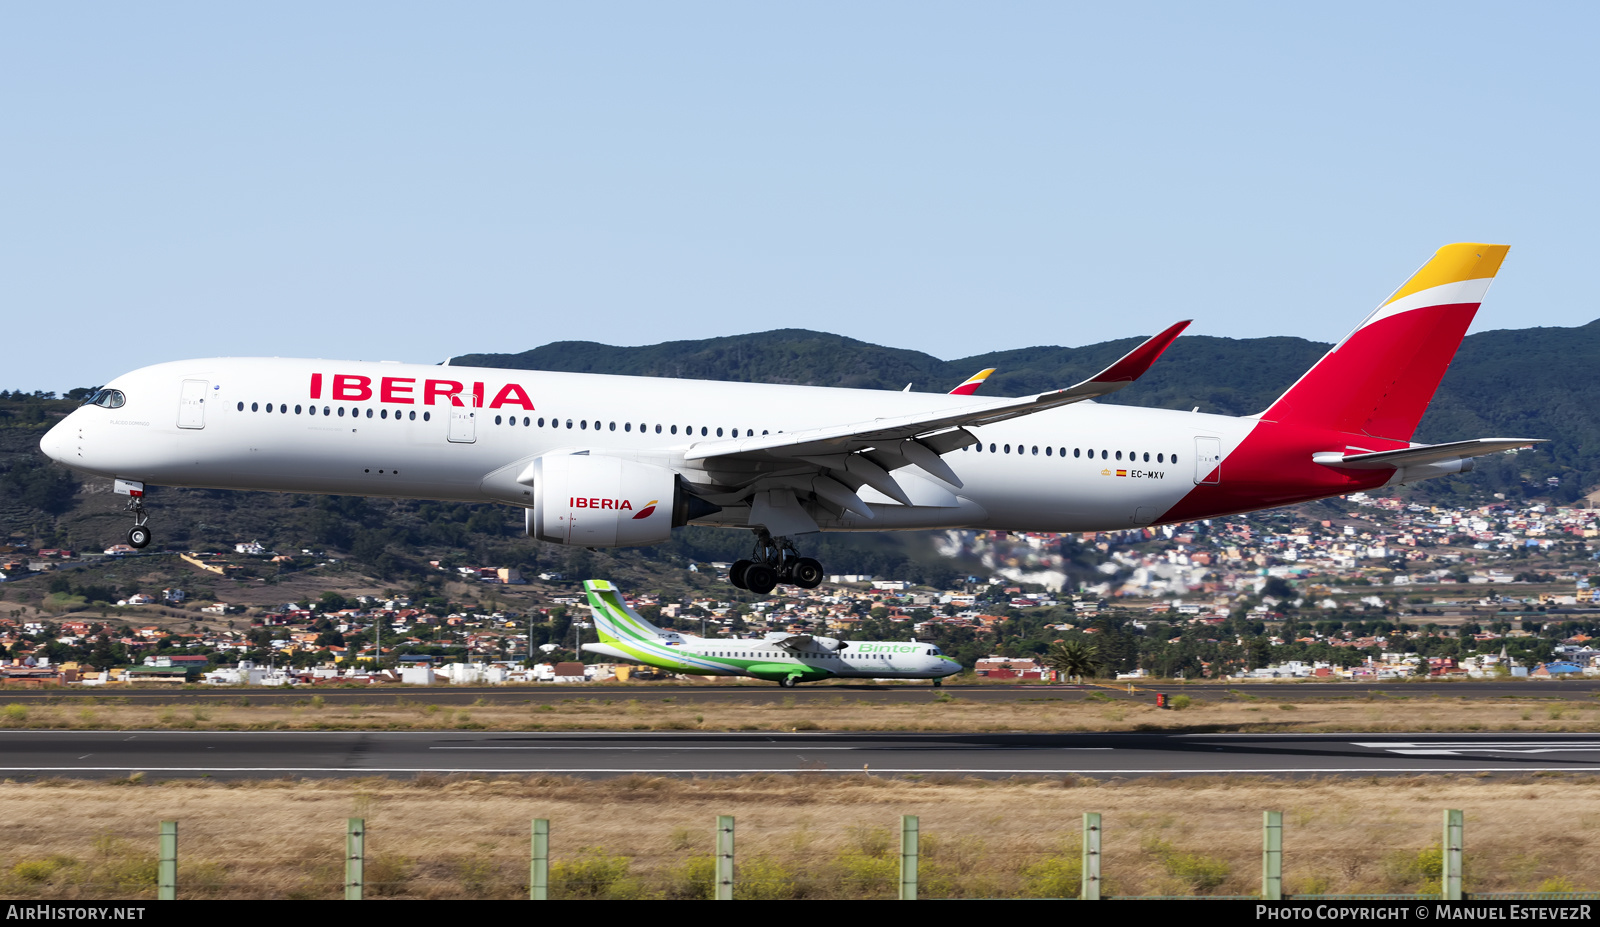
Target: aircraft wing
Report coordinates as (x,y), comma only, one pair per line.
(1424,454)
(924,429)
(794,641)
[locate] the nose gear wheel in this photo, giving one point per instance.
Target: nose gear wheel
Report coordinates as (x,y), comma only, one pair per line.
(139,535)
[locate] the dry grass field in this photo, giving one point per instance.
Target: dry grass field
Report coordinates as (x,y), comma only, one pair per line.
(798,836)
(1416,711)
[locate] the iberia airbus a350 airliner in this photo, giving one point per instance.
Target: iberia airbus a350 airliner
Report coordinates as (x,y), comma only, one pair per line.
(612,461)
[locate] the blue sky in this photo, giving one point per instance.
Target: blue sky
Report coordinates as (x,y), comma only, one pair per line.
(411,181)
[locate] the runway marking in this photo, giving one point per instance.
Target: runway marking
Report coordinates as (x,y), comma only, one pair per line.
(1457,748)
(780,748)
(574,770)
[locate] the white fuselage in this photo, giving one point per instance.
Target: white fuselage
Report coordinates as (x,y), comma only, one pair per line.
(458,433)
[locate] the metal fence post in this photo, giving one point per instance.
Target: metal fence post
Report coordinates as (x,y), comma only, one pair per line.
(909,827)
(167,869)
(1272,855)
(1450,878)
(355,857)
(724,885)
(1090,889)
(539,867)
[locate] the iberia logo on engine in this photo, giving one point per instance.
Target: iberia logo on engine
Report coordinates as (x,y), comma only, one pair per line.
(620,505)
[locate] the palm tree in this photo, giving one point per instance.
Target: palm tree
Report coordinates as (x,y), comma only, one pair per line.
(1073,658)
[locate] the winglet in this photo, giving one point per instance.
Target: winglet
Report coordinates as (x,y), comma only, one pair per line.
(972,383)
(1130,367)
(1133,365)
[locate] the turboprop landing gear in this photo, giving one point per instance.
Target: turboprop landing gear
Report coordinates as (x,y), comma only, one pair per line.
(774,561)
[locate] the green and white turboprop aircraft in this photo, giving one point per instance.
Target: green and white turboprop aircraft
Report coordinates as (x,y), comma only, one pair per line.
(787,659)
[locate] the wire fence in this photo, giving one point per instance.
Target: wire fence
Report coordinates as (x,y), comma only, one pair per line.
(855,859)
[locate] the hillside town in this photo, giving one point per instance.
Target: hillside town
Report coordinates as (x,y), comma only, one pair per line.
(1373,588)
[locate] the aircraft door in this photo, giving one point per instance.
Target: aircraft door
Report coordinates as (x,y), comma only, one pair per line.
(192,404)
(463,425)
(1207,460)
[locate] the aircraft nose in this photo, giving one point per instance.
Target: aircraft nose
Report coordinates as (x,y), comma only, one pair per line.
(55,443)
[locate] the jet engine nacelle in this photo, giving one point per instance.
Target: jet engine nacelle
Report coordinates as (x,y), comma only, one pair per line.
(591,500)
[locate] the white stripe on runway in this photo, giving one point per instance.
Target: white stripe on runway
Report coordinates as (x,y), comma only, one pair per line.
(782,748)
(969,770)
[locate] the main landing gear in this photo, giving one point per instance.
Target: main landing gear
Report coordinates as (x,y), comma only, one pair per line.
(774,561)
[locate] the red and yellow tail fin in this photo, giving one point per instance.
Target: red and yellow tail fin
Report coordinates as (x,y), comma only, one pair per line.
(972,384)
(1379,380)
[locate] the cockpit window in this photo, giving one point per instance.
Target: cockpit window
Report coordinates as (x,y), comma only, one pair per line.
(109,398)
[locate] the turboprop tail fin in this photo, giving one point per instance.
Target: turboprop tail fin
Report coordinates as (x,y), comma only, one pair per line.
(1379,380)
(613,619)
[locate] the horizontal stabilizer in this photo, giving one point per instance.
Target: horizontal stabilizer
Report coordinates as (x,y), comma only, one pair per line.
(1424,454)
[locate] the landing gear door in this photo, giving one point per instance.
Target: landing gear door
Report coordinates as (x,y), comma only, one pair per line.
(192,404)
(463,425)
(1207,460)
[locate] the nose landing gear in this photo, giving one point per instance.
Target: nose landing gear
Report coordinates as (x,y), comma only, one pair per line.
(139,535)
(774,561)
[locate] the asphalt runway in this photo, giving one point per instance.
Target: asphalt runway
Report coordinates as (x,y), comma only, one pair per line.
(234,755)
(1579,689)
